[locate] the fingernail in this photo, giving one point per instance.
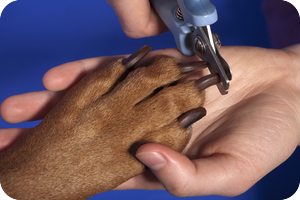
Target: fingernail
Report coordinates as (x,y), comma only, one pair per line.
(153,160)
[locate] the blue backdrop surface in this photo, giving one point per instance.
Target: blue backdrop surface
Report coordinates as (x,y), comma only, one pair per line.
(36,35)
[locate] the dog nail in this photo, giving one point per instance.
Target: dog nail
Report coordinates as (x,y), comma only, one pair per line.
(207,81)
(136,57)
(192,66)
(190,117)
(191,76)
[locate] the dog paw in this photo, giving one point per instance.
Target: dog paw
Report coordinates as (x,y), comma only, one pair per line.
(86,144)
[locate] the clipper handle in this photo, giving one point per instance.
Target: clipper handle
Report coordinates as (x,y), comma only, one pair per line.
(166,9)
(198,12)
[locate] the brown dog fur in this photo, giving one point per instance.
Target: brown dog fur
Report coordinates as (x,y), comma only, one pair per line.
(86,144)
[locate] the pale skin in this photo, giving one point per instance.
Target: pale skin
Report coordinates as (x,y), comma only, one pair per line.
(137,23)
(245,135)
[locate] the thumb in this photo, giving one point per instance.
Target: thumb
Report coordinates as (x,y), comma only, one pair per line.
(219,174)
(173,169)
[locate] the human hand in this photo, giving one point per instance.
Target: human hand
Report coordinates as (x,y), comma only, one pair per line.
(138,19)
(35,105)
(87,142)
(231,149)
(245,135)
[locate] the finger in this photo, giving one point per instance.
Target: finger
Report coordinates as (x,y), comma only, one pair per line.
(172,135)
(29,106)
(175,136)
(216,175)
(105,78)
(164,163)
(137,18)
(9,136)
(66,75)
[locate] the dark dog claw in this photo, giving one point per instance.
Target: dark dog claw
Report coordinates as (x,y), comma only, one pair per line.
(192,66)
(207,81)
(136,57)
(190,117)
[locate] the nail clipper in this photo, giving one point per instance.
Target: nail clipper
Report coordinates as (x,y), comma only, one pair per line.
(189,21)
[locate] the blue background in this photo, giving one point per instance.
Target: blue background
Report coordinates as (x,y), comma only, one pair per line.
(36,35)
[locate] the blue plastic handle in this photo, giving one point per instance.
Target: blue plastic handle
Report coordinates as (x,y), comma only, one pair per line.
(196,13)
